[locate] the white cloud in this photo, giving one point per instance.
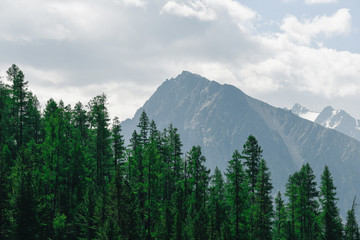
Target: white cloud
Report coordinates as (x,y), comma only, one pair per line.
(208,10)
(320,1)
(192,9)
(136,3)
(240,14)
(32,20)
(306,31)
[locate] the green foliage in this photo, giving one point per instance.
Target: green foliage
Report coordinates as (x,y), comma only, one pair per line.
(330,219)
(198,180)
(237,193)
(352,227)
(279,227)
(263,212)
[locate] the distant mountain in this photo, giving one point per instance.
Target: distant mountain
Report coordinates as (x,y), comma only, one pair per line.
(219,118)
(303,112)
(338,120)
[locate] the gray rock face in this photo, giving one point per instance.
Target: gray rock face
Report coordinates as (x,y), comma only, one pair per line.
(219,118)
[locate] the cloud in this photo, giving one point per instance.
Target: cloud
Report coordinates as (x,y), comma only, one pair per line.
(306,31)
(76,49)
(208,10)
(136,3)
(25,21)
(192,9)
(240,14)
(320,1)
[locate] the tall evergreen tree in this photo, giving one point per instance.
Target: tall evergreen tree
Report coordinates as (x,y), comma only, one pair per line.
(308,204)
(330,218)
(238,198)
(279,227)
(303,205)
(292,194)
(217,206)
(352,227)
(19,91)
(252,153)
(263,204)
(197,218)
(99,120)
(118,144)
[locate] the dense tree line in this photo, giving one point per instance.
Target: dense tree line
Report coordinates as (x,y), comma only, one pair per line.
(65,173)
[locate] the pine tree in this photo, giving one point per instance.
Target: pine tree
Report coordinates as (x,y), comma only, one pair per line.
(19,93)
(118,144)
(198,179)
(352,227)
(302,205)
(99,121)
(263,204)
(279,229)
(238,198)
(217,206)
(252,153)
(330,218)
(152,172)
(172,184)
(5,116)
(308,204)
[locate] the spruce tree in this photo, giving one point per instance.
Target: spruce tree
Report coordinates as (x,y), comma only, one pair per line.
(291,207)
(352,227)
(303,205)
(263,204)
(19,92)
(330,218)
(237,189)
(217,206)
(308,204)
(252,153)
(279,226)
(197,218)
(99,121)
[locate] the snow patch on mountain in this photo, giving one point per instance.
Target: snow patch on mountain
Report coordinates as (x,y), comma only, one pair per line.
(304,113)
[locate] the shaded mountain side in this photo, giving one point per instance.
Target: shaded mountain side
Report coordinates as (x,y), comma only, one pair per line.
(219,118)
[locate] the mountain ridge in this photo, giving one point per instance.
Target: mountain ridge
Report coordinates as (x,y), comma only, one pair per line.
(219,118)
(329,117)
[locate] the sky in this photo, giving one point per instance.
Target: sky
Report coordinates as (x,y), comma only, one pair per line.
(278,51)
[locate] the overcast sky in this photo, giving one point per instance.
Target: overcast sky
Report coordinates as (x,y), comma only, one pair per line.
(279,51)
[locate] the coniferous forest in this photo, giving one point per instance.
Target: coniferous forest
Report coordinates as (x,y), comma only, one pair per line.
(65,173)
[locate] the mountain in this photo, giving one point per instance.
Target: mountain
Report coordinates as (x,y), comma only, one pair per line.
(303,112)
(338,120)
(219,118)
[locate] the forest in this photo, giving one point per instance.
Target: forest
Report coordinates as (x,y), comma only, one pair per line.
(65,173)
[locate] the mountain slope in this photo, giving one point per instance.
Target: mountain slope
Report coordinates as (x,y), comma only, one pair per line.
(219,118)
